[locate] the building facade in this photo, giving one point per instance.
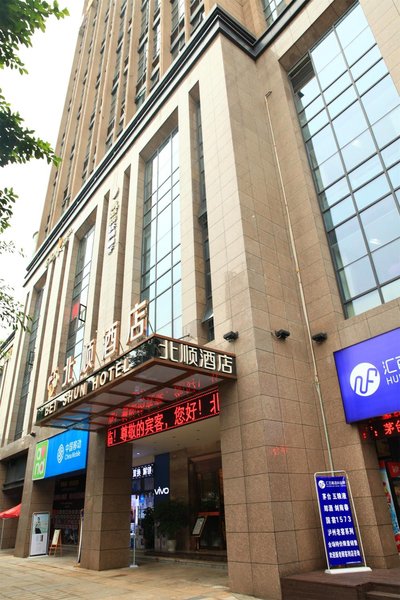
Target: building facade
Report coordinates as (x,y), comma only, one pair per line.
(220,242)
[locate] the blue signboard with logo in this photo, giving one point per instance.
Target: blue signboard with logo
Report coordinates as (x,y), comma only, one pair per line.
(369,376)
(339,528)
(60,454)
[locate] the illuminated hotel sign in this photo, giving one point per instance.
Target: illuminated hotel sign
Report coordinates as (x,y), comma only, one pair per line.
(369,376)
(160,369)
(197,408)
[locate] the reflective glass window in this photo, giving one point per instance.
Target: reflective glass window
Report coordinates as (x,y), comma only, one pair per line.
(341,212)
(328,172)
(369,193)
(354,158)
(380,99)
(381,223)
(349,124)
(334,193)
(347,243)
(357,278)
(161,234)
(341,102)
(388,128)
(387,262)
(358,150)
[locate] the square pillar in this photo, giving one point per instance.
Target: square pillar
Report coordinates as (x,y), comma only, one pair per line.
(37,496)
(106,523)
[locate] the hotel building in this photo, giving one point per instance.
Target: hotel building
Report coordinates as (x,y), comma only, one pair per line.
(214,297)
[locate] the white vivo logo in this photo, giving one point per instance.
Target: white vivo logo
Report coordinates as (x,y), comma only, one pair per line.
(60,453)
(161,491)
(365,379)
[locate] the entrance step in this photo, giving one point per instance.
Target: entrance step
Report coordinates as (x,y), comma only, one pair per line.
(213,560)
(379,584)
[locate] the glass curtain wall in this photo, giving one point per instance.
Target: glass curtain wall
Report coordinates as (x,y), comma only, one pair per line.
(349,112)
(79,303)
(161,251)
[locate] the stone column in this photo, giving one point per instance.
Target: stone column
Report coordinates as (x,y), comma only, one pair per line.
(106,524)
(37,496)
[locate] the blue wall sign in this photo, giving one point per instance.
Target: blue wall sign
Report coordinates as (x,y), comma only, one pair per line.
(61,454)
(338,526)
(369,377)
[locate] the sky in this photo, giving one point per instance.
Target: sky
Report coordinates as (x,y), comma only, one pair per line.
(39,98)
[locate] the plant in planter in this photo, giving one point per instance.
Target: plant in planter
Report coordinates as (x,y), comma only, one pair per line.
(147,525)
(171,516)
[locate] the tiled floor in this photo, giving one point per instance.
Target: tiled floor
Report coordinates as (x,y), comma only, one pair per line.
(60,578)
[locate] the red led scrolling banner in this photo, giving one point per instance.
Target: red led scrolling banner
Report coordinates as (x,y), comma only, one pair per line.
(197,408)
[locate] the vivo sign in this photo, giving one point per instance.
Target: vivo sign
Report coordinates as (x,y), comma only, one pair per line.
(369,377)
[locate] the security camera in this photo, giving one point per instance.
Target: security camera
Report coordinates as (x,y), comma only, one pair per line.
(319,337)
(282,334)
(231,336)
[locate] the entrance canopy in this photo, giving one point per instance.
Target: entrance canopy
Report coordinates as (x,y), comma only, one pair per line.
(11,513)
(157,372)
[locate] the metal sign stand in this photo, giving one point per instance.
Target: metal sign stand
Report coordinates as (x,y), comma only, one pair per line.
(134,565)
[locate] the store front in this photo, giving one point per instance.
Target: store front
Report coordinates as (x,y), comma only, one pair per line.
(369,377)
(62,460)
(156,406)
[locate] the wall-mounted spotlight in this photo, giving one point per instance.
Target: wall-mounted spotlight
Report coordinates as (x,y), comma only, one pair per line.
(231,336)
(319,337)
(282,334)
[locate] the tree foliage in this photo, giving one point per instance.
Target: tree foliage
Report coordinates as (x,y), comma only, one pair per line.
(19,19)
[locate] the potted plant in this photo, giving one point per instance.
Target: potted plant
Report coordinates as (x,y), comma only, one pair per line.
(170,517)
(147,524)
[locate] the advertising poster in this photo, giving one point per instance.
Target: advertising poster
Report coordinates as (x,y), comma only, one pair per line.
(339,527)
(39,533)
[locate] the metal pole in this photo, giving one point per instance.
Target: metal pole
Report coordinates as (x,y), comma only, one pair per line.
(2,530)
(134,551)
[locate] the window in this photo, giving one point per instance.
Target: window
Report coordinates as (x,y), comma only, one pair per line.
(79,304)
(177,13)
(142,65)
(161,247)
(144,18)
(208,317)
(28,366)
(349,113)
(272,9)
(156,41)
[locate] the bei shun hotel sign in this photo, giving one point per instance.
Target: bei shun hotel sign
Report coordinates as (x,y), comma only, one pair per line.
(156,373)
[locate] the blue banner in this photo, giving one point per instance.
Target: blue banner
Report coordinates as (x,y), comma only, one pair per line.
(369,377)
(61,454)
(338,526)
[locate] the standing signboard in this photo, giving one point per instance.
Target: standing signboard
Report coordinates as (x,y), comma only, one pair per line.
(39,533)
(342,541)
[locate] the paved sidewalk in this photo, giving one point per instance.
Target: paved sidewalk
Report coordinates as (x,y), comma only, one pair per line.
(60,578)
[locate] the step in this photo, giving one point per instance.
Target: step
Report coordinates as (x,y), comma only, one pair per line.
(382,595)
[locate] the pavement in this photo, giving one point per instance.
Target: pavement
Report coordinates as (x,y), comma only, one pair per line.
(59,577)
